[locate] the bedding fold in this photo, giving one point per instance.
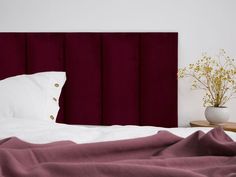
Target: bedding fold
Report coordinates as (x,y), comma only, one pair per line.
(163,154)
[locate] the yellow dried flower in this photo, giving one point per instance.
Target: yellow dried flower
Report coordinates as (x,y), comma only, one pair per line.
(219,81)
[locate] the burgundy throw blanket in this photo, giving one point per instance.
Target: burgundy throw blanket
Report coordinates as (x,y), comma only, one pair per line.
(163,154)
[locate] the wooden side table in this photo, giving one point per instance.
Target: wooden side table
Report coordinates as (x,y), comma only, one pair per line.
(228,126)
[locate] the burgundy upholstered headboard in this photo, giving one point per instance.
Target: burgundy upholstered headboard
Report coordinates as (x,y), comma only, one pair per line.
(113,78)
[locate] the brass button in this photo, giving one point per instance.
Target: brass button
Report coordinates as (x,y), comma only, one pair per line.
(54,99)
(52,117)
(56,85)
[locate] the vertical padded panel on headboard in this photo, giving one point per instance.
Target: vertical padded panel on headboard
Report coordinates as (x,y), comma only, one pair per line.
(12,54)
(45,52)
(158,79)
(83,66)
(120,78)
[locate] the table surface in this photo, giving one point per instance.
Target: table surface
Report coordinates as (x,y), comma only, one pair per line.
(230,126)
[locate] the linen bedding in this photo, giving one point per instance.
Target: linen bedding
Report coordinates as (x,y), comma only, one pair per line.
(92,151)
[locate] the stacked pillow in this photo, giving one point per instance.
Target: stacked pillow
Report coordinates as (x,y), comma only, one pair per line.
(34,96)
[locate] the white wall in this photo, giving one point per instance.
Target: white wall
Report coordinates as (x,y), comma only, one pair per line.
(203,26)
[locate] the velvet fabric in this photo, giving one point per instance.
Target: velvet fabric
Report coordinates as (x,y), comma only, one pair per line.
(112,78)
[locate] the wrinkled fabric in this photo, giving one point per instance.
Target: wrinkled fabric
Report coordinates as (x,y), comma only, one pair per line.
(162,155)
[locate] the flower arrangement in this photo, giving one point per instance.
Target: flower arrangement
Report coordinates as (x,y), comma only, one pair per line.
(217,79)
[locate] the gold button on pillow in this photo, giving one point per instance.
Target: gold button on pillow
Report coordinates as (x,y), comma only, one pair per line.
(51,117)
(56,85)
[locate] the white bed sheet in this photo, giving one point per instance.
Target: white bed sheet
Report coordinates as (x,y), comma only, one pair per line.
(35,131)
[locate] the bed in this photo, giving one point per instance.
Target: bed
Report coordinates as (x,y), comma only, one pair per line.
(118,109)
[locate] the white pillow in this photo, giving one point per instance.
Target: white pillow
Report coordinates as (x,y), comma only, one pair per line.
(33,96)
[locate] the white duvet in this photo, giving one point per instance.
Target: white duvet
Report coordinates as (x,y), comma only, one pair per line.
(35,131)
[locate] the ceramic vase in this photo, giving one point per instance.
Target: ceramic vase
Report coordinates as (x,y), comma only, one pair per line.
(217,115)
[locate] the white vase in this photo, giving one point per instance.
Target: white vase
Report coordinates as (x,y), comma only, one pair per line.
(217,115)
